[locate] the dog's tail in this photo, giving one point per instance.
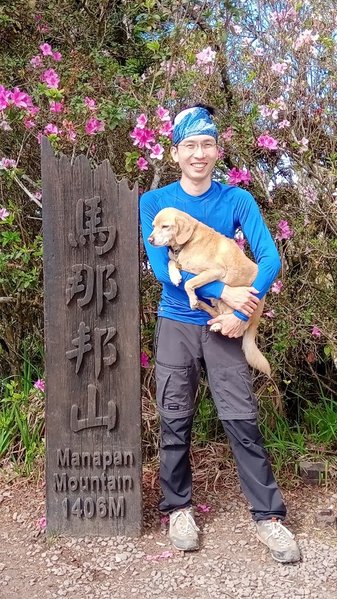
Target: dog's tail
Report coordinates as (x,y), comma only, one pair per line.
(253,355)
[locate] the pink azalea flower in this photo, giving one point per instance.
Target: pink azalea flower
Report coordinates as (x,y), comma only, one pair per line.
(237,29)
(259,52)
(141,121)
(206,60)
(228,134)
(157,152)
(284,231)
(163,114)
(51,129)
(90,103)
(164,520)
(36,61)
(236,176)
(267,141)
(315,331)
(50,78)
(283,124)
(55,106)
(5,96)
(46,49)
(166,129)
(29,123)
(42,523)
(280,103)
(270,314)
(283,16)
(57,56)
(143,138)
(3,213)
(5,126)
(39,137)
(43,28)
(69,130)
(203,507)
(142,164)
(279,68)
(144,360)
(304,145)
(40,385)
(94,126)
(163,555)
(7,163)
(277,287)
(307,38)
(265,110)
(246,41)
(20,99)
(33,110)
(206,56)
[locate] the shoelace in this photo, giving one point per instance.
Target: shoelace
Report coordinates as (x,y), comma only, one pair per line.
(280,532)
(184,522)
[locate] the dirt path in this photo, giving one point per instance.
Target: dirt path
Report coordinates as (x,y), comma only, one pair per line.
(230,564)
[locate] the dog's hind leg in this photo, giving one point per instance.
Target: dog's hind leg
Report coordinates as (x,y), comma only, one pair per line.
(206,276)
(211,311)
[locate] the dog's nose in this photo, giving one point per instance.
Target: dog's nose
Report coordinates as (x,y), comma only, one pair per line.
(150,239)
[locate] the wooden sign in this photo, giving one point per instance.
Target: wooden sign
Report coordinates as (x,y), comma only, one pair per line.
(92,342)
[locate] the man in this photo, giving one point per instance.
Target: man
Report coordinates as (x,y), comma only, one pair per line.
(184,343)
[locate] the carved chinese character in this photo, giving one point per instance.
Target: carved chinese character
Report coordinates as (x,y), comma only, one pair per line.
(81,345)
(109,359)
(83,280)
(92,420)
(88,219)
(76,284)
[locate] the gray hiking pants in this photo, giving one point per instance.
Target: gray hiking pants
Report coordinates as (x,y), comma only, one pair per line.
(181,350)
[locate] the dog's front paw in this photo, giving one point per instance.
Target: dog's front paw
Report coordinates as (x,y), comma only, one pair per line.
(175,277)
(194,303)
(215,328)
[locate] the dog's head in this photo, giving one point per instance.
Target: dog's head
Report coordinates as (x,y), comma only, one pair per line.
(172,227)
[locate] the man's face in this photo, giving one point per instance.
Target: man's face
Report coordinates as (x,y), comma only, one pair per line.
(196,156)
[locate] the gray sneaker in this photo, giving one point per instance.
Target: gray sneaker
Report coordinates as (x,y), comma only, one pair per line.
(183,530)
(279,540)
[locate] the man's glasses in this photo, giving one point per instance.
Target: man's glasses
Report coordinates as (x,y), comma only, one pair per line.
(192,146)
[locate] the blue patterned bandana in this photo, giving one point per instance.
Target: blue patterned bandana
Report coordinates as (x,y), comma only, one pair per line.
(193,121)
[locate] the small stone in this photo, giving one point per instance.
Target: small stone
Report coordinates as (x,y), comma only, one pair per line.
(121,557)
(325,517)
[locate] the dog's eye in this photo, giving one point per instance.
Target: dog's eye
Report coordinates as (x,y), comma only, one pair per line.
(165,226)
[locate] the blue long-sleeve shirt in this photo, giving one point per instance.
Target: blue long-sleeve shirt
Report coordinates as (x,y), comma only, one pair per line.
(224,208)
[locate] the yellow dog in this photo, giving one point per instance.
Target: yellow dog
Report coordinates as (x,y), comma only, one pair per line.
(196,248)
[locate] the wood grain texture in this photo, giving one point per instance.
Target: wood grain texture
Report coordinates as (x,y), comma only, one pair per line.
(92,343)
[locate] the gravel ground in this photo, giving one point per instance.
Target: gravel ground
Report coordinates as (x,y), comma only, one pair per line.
(230,564)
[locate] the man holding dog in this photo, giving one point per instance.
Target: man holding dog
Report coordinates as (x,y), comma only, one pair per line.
(184,343)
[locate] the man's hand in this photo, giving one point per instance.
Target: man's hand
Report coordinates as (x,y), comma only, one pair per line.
(241,299)
(231,325)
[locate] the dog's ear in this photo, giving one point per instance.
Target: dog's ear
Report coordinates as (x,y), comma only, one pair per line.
(185,230)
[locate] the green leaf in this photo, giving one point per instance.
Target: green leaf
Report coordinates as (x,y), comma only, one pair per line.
(54,94)
(154,46)
(251,76)
(10,237)
(130,160)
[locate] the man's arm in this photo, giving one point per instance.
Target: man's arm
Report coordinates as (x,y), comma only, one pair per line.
(261,244)
(158,256)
